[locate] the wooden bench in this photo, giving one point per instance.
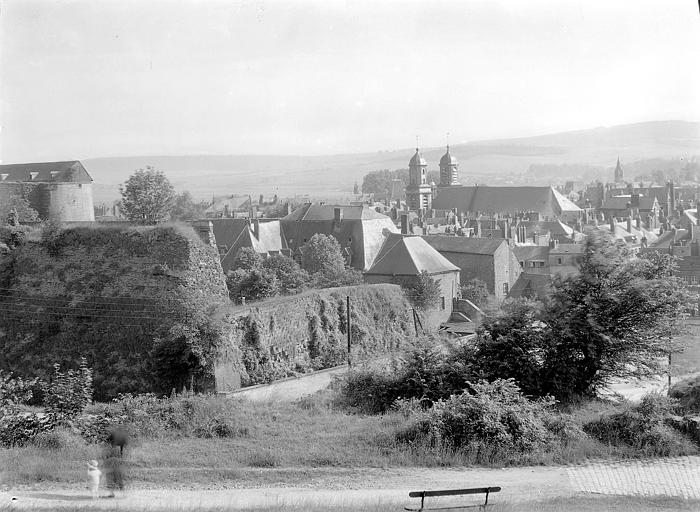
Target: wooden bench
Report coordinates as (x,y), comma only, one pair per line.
(451,492)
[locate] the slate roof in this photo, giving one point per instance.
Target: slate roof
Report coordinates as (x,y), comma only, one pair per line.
(71,171)
(531,252)
(270,239)
(568,249)
(325,212)
(554,227)
(667,238)
(233,203)
(544,200)
(409,255)
(463,244)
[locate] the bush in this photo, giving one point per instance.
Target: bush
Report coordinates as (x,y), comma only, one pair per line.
(687,392)
(14,391)
(60,438)
(425,292)
(18,429)
(370,390)
(641,427)
(495,414)
(68,393)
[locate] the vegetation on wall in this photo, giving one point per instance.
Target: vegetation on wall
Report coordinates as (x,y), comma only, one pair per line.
(141,304)
(283,337)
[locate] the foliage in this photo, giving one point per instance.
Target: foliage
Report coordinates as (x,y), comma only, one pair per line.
(425,292)
(254,284)
(476,291)
(511,343)
(14,391)
(346,277)
(687,392)
(68,393)
(247,259)
(613,319)
(491,413)
(323,255)
(185,208)
(379,182)
(19,428)
(641,427)
(290,276)
(147,196)
(23,211)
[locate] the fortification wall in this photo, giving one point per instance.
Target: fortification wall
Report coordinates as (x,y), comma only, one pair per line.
(61,202)
(144,305)
(287,336)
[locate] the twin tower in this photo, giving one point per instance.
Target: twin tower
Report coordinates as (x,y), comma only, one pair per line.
(419,193)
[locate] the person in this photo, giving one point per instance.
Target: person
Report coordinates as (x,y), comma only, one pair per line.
(113,456)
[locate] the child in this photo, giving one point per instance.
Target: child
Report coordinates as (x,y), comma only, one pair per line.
(94,475)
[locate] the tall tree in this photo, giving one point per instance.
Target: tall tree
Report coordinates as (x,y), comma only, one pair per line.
(323,254)
(425,292)
(147,196)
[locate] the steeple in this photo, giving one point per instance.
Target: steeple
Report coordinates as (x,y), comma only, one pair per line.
(418,192)
(619,176)
(449,174)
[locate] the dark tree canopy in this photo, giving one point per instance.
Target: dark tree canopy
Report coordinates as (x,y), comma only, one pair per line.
(476,291)
(147,196)
(290,276)
(614,319)
(323,254)
(247,259)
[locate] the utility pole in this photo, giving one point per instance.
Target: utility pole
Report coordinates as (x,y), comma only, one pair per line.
(349,325)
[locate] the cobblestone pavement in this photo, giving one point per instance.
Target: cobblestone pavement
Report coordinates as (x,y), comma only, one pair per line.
(678,476)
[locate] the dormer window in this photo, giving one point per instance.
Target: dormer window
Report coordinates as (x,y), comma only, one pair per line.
(3,176)
(54,174)
(33,175)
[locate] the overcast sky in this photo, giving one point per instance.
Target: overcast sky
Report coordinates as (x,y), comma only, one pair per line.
(94,78)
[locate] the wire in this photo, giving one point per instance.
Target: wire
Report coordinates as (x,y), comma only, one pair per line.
(21,312)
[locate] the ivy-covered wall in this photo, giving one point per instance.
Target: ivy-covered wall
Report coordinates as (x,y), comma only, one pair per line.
(290,335)
(145,306)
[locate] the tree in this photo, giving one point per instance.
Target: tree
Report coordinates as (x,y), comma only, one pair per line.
(147,196)
(184,208)
(611,320)
(290,276)
(475,291)
(254,284)
(425,292)
(247,259)
(322,254)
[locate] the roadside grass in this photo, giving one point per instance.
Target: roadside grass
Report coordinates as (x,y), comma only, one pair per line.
(585,503)
(286,444)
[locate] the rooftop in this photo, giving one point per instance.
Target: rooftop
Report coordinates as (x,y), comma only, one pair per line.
(409,255)
(70,171)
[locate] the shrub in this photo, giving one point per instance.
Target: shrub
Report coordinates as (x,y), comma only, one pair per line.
(369,390)
(19,428)
(687,392)
(60,438)
(641,427)
(495,414)
(425,292)
(14,391)
(69,392)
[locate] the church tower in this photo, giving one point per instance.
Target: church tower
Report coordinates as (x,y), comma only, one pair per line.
(418,191)
(619,176)
(449,174)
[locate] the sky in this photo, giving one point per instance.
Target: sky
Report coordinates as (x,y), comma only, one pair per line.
(97,78)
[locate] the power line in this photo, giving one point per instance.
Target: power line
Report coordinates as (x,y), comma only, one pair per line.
(22,312)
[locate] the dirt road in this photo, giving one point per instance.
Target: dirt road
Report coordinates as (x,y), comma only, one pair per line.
(374,487)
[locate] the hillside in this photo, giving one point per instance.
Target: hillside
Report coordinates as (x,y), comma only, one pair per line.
(493,162)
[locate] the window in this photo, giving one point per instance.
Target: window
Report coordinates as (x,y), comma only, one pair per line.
(442,302)
(558,261)
(505,288)
(522,264)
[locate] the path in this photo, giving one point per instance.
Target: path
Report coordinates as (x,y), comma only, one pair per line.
(668,477)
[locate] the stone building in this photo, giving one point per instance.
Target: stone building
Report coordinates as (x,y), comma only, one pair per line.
(403,257)
(419,193)
(491,260)
(58,191)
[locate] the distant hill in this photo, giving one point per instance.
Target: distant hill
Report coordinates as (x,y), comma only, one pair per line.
(491,162)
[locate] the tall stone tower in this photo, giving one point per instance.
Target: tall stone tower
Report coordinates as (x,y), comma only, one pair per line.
(418,192)
(449,174)
(619,175)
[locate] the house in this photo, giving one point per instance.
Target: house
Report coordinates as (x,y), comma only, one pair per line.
(265,236)
(533,259)
(621,206)
(564,259)
(489,259)
(359,230)
(545,201)
(228,206)
(58,191)
(403,257)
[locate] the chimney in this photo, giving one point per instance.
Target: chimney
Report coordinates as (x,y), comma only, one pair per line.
(227,212)
(613,221)
(404,224)
(671,197)
(629,223)
(337,215)
(478,228)
(638,222)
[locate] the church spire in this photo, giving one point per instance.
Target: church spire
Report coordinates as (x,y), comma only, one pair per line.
(619,175)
